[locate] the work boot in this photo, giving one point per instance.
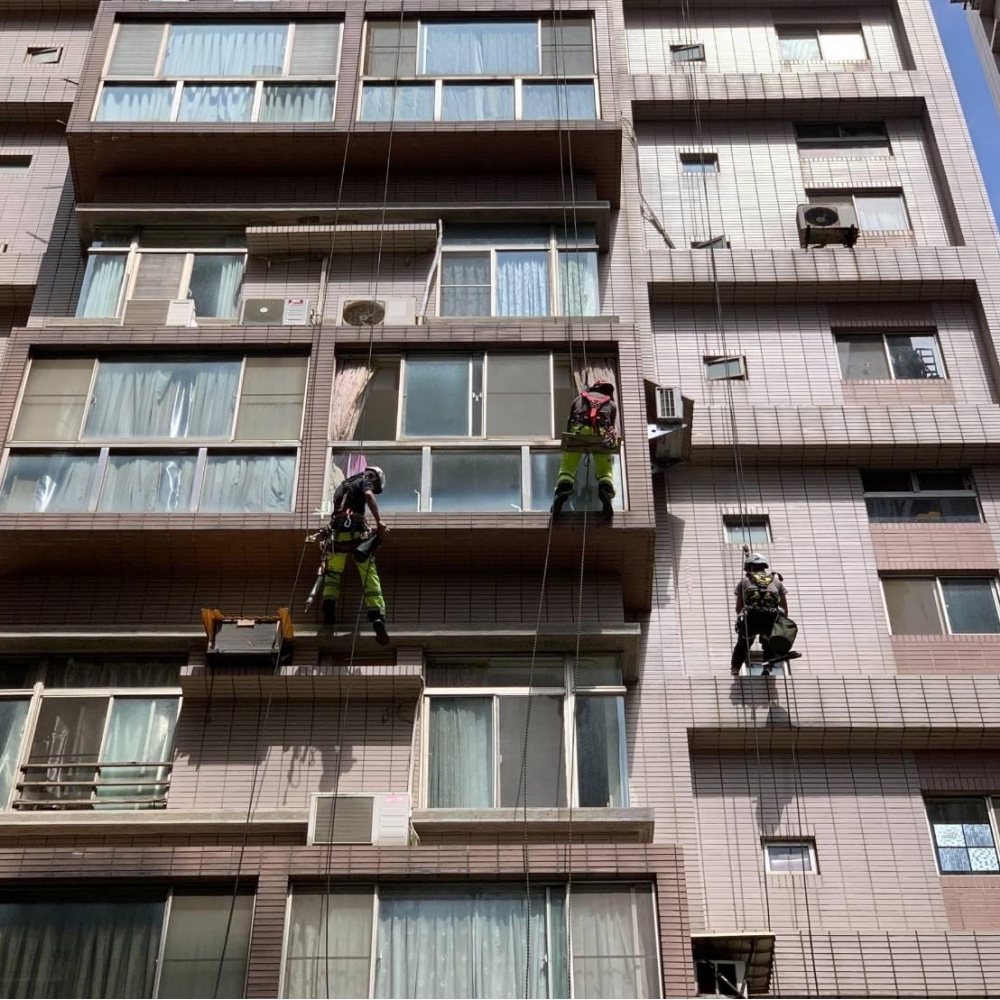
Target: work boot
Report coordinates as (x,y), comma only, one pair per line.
(606,493)
(378,625)
(329,610)
(564,490)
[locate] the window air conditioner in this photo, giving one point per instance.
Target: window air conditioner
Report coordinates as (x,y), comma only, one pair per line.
(382,819)
(828,222)
(389,310)
(159,312)
(669,405)
(275,312)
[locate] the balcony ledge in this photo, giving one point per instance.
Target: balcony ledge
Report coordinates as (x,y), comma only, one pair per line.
(635,825)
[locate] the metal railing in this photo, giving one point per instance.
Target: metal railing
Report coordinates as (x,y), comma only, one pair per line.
(78,785)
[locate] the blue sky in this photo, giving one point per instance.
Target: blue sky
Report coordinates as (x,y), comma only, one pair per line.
(977,103)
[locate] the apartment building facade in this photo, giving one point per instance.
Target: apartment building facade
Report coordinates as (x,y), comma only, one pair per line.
(252,247)
(982,19)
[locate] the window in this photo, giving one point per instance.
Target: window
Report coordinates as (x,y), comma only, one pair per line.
(476,711)
(959,605)
(460,432)
(867,357)
(14,166)
(877,212)
(752,529)
(519,271)
(123,942)
(194,415)
(720,978)
(693,53)
(713,243)
(43,55)
(842,43)
(717,369)
(937,496)
(699,163)
(145,271)
(964,842)
(790,857)
(472,941)
(835,139)
(479,70)
(86,734)
(257,72)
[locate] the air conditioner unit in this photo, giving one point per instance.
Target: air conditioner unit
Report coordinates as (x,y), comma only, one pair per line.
(669,405)
(159,312)
(382,819)
(822,223)
(275,312)
(388,310)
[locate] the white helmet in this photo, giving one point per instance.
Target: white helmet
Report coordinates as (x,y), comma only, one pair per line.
(377,476)
(754,559)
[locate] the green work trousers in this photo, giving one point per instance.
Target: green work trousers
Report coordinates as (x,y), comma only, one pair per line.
(603,463)
(335,564)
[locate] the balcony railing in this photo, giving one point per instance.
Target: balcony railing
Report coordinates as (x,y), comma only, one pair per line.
(54,784)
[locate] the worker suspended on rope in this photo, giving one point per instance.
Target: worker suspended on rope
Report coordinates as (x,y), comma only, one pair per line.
(762,610)
(349,533)
(592,424)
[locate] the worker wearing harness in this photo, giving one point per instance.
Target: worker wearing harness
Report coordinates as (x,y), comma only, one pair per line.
(761,610)
(592,415)
(351,534)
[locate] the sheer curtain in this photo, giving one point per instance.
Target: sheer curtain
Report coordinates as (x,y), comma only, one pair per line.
(349,387)
(444,942)
(148,484)
(471,102)
(140,729)
(553,101)
(495,49)
(163,399)
(203,103)
(289,103)
(102,285)
(248,484)
(588,373)
(56,483)
(12,716)
(523,283)
(460,756)
(92,948)
(414,102)
(465,284)
(135,102)
(112,673)
(215,284)
(225,50)
(578,283)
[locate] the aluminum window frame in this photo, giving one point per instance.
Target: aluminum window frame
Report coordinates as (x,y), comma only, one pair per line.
(569,691)
(942,608)
(994,820)
(517,80)
(916,492)
(35,50)
(809,843)
(848,334)
(832,142)
(259,81)
(676,48)
(817,31)
(727,360)
(738,522)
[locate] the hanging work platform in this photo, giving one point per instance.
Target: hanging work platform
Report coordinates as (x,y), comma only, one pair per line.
(249,641)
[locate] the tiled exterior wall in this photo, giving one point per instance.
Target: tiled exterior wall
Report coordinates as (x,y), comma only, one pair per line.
(39,27)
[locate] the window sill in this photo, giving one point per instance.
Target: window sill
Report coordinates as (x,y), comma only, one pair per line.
(634,825)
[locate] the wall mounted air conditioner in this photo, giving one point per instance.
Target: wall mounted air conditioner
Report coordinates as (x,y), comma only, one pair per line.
(823,223)
(381,818)
(275,312)
(669,405)
(387,310)
(159,312)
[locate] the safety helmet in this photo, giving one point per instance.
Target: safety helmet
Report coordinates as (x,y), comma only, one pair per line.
(754,559)
(377,476)
(602,386)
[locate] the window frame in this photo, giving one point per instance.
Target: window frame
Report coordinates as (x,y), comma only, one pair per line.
(22,166)
(38,692)
(816,147)
(809,843)
(992,817)
(552,246)
(916,492)
(676,48)
(737,522)
(817,31)
(726,359)
(705,164)
(939,599)
(34,50)
(438,81)
(844,334)
(259,81)
(568,691)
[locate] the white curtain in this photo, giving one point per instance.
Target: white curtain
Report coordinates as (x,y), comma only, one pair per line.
(225,50)
(102,285)
(290,103)
(600,751)
(248,484)
(444,942)
(163,399)
(460,757)
(140,729)
(215,284)
(77,948)
(135,102)
(578,283)
(12,716)
(349,388)
(56,483)
(588,372)
(204,103)
(465,284)
(882,213)
(554,101)
(489,48)
(413,102)
(469,102)
(148,484)
(522,283)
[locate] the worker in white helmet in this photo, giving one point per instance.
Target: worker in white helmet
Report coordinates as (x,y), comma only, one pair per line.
(761,610)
